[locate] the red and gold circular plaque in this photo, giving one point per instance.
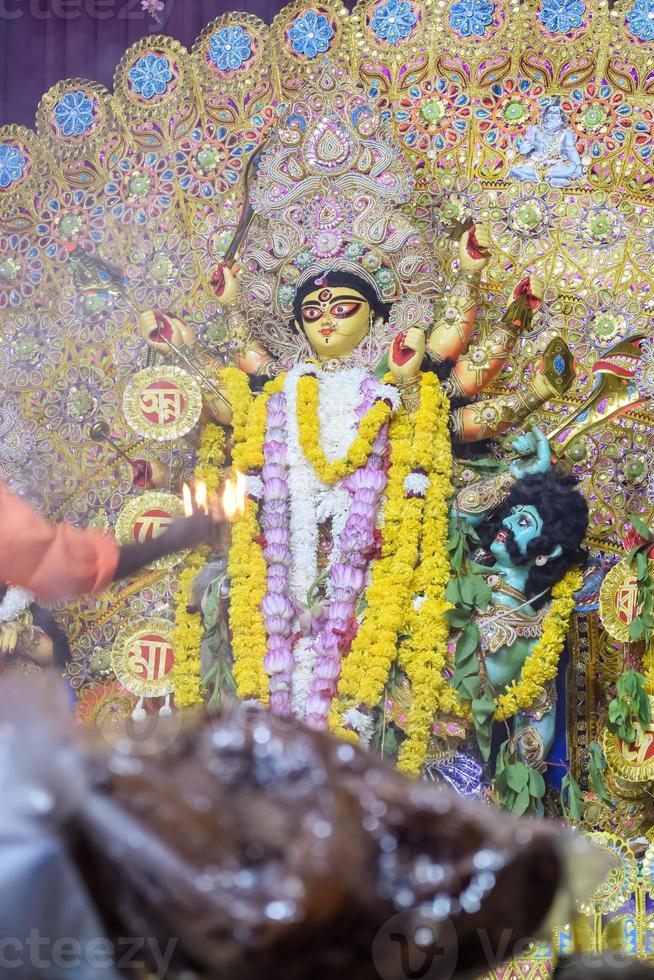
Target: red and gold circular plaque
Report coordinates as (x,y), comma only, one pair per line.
(632,762)
(618,601)
(143,657)
(162,403)
(146,517)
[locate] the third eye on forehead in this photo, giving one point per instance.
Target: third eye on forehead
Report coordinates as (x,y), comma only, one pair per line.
(334,299)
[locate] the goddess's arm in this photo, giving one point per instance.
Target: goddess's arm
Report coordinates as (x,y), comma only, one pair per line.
(451,335)
(478,366)
(491,417)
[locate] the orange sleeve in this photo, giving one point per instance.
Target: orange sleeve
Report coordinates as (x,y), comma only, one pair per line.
(53,562)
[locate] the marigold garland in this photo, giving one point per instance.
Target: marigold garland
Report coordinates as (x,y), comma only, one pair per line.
(239,397)
(424,654)
(390,593)
(247,573)
(542,664)
(309,430)
(189,630)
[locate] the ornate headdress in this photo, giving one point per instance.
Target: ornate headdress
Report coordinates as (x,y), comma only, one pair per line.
(327,197)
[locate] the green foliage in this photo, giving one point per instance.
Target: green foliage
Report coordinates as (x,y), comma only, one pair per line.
(596,767)
(469,593)
(642,626)
(519,788)
(572,798)
(482,715)
(461,536)
(629,710)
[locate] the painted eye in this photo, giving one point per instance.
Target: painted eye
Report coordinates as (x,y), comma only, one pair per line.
(523,522)
(344,310)
(311,313)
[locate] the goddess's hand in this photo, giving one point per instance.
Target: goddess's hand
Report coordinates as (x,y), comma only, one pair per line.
(474,248)
(224,282)
(407,353)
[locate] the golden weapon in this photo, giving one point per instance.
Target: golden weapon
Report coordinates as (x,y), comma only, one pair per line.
(613,395)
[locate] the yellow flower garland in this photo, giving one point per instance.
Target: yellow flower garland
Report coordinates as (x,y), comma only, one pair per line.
(246,565)
(423,655)
(247,572)
(390,593)
(542,663)
(188,626)
(309,433)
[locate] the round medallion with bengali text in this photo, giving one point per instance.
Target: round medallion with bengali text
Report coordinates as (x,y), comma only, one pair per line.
(632,762)
(143,657)
(618,600)
(146,517)
(162,403)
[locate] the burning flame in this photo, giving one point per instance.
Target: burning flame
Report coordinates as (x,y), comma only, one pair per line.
(188,499)
(201,497)
(234,496)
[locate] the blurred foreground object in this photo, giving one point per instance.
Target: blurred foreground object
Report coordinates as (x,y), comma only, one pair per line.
(245,848)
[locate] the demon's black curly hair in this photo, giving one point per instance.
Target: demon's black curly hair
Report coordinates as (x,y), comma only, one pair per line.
(564,512)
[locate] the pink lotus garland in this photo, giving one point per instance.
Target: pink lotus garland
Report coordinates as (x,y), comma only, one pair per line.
(355,547)
(277,608)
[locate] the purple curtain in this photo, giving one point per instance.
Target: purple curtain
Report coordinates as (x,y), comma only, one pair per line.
(44,41)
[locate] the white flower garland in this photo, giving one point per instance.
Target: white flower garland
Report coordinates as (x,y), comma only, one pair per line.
(15,602)
(312,502)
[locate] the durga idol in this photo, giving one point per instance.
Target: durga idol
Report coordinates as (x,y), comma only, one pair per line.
(340,305)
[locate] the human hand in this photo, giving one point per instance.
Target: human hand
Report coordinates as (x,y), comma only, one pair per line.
(407,353)
(534,452)
(8,639)
(157,329)
(224,282)
(474,248)
(533,289)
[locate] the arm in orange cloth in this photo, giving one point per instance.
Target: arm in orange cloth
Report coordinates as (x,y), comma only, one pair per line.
(63,562)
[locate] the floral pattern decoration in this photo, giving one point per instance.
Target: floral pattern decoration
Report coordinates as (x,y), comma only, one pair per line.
(12,165)
(471,18)
(433,116)
(210,160)
(311,34)
(599,116)
(230,48)
(640,18)
(506,111)
(141,187)
(21,269)
(562,16)
(150,75)
(73,114)
(75,218)
(393,21)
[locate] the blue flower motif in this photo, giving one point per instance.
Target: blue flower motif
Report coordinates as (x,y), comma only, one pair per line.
(561,16)
(393,21)
(12,164)
(310,35)
(150,75)
(471,16)
(74,113)
(230,48)
(640,18)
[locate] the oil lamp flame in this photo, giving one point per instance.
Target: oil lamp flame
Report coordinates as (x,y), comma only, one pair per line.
(234,496)
(201,497)
(188,499)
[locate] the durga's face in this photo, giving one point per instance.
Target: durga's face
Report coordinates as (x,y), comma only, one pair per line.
(335,320)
